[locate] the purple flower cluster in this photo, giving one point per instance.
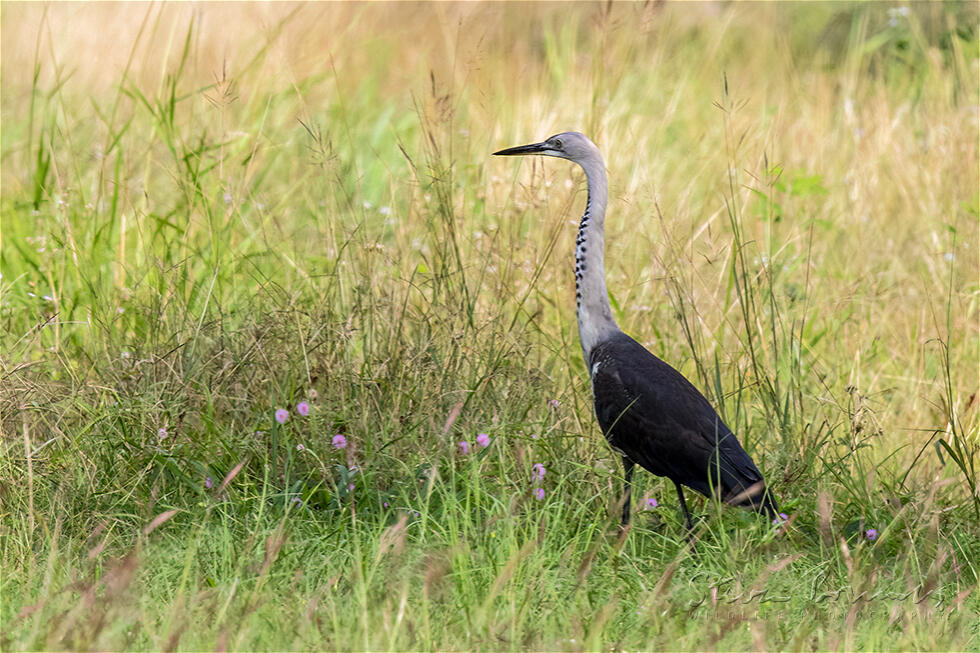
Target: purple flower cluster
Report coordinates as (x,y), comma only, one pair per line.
(537,472)
(303,409)
(482,439)
(537,475)
(282,414)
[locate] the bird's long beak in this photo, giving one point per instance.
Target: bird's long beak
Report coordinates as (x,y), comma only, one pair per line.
(533,148)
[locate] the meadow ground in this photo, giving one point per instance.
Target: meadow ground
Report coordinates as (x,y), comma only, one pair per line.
(211,212)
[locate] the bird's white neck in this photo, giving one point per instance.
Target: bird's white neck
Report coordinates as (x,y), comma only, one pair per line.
(595,321)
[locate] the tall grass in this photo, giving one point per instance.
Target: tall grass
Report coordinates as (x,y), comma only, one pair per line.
(214,211)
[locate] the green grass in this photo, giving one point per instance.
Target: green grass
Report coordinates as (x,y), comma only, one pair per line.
(210,212)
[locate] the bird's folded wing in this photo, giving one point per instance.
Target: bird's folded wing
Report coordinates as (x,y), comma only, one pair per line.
(652,414)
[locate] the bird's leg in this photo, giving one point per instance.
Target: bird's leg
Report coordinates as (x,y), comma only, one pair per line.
(627,490)
(687,515)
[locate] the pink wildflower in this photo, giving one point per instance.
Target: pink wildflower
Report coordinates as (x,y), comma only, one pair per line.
(303,408)
(537,472)
(282,415)
(483,440)
(339,442)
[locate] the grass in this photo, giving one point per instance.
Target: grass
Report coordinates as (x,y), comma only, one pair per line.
(211,212)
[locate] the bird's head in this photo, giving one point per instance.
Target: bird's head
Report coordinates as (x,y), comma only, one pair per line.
(567,145)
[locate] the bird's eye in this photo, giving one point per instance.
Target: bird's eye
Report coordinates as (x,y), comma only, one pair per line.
(557,143)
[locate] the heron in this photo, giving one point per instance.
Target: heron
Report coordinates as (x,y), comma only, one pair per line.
(649,413)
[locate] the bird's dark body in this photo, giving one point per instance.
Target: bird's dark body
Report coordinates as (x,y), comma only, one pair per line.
(656,418)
